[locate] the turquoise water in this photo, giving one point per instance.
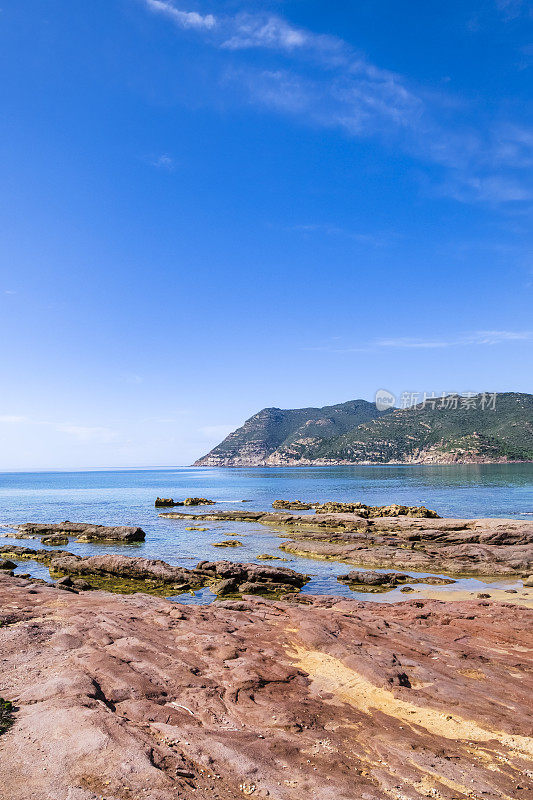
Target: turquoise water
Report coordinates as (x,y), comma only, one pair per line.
(127,498)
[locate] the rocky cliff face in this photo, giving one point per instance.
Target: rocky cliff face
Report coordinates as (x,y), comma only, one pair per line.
(274,435)
(357,433)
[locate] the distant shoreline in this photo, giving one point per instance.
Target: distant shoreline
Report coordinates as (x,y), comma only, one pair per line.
(362,464)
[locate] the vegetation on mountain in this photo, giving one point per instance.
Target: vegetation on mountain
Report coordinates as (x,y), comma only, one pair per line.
(455,431)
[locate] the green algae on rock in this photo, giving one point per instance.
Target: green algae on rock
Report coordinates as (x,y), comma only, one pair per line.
(228,543)
(162,502)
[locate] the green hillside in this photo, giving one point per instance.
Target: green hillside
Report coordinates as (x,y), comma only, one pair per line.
(356,432)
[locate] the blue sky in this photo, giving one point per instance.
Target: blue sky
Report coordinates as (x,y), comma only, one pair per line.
(212,207)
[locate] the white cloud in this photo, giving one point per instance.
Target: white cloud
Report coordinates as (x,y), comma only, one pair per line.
(404,341)
(496,337)
(164,161)
(9,419)
(482,163)
(185,19)
(271,32)
(473,338)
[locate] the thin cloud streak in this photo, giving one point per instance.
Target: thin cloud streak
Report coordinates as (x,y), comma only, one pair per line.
(344,91)
(475,338)
(185,19)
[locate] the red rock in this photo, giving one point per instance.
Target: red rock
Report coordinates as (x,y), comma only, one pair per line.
(125,697)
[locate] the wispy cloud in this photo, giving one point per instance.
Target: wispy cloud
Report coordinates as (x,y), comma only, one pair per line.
(185,19)
(163,161)
(11,419)
(325,82)
(469,339)
(465,339)
(511,9)
(272,32)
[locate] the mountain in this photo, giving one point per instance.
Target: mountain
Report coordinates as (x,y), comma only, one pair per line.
(275,433)
(480,429)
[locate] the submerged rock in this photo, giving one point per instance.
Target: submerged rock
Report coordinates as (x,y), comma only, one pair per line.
(228,543)
(268,557)
(56,540)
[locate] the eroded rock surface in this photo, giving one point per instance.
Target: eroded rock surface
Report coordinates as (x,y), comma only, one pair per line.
(362,510)
(126,574)
(125,697)
(82,531)
(490,547)
(370,581)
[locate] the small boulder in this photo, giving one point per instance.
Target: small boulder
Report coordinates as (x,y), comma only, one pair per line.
(5,563)
(55,540)
(228,543)
(292,505)
(81,585)
(225,586)
(267,557)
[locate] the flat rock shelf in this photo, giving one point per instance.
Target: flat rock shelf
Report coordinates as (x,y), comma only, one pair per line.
(476,547)
(131,696)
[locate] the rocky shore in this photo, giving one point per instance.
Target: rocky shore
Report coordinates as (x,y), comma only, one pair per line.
(127,574)
(475,547)
(129,696)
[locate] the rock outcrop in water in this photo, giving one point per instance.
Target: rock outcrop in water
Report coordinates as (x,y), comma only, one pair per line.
(162,502)
(82,531)
(126,574)
(360,509)
(126,697)
(488,547)
(370,581)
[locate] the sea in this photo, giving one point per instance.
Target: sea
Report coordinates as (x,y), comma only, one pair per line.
(126,497)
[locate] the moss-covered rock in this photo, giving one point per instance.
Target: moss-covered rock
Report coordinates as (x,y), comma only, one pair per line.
(6,714)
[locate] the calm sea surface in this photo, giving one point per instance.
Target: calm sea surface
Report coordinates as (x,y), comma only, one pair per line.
(127,498)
